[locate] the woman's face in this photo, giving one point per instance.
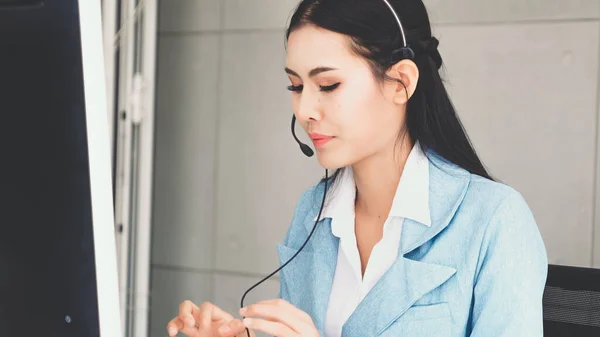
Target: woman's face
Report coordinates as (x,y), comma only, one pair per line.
(349,115)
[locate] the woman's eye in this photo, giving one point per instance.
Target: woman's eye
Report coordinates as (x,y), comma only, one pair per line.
(329,88)
(295,88)
(324,88)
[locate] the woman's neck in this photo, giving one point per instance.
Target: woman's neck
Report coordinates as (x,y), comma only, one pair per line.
(377,179)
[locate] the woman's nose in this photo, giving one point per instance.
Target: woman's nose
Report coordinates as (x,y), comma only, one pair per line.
(309,109)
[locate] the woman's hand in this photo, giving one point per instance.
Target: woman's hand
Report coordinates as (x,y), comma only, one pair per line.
(279,318)
(207,320)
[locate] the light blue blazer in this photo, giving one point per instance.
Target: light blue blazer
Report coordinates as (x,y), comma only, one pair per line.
(478,271)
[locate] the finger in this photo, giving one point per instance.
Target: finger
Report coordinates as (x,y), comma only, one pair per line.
(204,316)
(285,305)
(186,310)
(174,326)
(208,314)
(271,328)
(177,325)
(217,314)
(278,311)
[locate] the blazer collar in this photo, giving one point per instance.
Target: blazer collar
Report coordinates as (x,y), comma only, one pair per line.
(310,278)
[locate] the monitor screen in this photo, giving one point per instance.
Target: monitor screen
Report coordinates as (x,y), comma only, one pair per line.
(57,253)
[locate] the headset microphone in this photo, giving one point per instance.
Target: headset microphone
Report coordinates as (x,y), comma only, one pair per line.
(305,148)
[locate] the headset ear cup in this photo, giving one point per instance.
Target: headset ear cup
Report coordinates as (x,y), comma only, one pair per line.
(400,54)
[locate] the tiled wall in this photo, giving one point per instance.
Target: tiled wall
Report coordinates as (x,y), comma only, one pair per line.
(523,76)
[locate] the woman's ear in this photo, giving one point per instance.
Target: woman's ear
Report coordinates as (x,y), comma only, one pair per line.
(406,74)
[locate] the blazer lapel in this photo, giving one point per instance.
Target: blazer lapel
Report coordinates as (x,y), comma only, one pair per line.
(447,188)
(309,276)
(408,280)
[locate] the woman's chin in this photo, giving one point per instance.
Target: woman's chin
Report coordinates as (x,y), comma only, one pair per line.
(330,161)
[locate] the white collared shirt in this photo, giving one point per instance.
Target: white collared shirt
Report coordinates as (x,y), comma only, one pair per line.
(410,201)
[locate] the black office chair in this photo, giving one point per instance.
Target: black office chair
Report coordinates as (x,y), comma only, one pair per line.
(572,302)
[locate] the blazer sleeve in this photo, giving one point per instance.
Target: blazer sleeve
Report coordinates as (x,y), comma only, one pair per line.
(511,274)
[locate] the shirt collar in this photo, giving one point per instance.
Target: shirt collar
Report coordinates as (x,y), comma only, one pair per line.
(410,201)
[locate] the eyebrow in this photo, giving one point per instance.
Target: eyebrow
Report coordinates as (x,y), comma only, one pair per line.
(314,72)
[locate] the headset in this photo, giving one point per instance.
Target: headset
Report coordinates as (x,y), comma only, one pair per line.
(404,52)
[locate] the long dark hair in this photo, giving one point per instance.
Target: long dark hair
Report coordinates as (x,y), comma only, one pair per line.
(430,115)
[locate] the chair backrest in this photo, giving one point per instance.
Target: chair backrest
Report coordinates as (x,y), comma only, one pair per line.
(572,302)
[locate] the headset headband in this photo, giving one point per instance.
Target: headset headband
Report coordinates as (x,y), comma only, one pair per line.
(401,53)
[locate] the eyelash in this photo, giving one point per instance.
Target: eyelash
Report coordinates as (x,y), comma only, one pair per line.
(328,88)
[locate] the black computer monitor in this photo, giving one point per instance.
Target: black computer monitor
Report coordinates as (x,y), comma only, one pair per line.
(572,302)
(58,274)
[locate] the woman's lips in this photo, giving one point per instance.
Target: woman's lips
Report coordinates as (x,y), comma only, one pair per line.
(319,139)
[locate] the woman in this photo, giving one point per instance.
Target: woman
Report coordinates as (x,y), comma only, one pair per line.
(415,237)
